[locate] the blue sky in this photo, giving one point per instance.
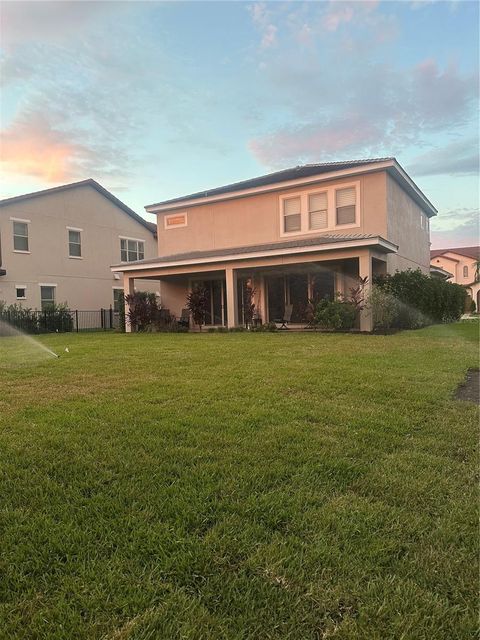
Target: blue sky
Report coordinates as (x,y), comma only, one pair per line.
(156,100)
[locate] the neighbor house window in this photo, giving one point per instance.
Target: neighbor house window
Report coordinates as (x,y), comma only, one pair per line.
(465,272)
(118,300)
(292,218)
(20,236)
(74,243)
(131,250)
(47,296)
(345,203)
(21,291)
(317,210)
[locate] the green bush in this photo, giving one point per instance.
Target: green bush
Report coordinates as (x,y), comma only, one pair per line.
(383,307)
(335,314)
(422,300)
(57,318)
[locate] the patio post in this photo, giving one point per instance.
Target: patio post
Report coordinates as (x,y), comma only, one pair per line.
(128,289)
(231,286)
(365,271)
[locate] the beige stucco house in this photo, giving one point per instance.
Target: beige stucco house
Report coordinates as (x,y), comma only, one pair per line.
(295,235)
(57,245)
(459,265)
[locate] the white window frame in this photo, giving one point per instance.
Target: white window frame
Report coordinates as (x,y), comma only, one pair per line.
(80,231)
(23,221)
(331,209)
(133,240)
(20,286)
(175,226)
(48,284)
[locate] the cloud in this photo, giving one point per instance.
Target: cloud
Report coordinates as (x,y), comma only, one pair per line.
(359,108)
(30,146)
(261,18)
(456,158)
(455,228)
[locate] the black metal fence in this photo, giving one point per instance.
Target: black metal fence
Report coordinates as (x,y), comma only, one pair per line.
(59,320)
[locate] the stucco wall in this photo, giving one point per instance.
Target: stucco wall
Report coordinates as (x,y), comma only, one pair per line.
(404,228)
(85,283)
(256,219)
(454,263)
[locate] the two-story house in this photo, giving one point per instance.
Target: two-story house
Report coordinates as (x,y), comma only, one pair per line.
(460,265)
(57,246)
(294,235)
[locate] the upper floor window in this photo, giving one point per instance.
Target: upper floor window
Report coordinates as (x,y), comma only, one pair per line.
(465,272)
(20,236)
(292,217)
(318,210)
(74,243)
(21,291)
(131,250)
(345,204)
(47,296)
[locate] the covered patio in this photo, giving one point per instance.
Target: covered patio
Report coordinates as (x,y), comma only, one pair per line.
(280,276)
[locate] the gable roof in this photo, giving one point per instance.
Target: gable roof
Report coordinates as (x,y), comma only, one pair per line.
(272,181)
(84,183)
(468,252)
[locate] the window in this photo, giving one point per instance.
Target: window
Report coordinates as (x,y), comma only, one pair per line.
(74,243)
(421,220)
(346,200)
(131,250)
(20,236)
(176,220)
(465,272)
(47,296)
(118,300)
(21,291)
(292,215)
(317,211)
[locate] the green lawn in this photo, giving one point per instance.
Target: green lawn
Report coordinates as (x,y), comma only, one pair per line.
(234,486)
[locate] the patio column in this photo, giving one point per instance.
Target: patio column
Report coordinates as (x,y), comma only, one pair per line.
(128,289)
(231,286)
(365,271)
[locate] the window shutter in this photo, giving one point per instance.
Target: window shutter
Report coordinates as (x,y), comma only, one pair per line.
(317,206)
(291,206)
(292,214)
(346,205)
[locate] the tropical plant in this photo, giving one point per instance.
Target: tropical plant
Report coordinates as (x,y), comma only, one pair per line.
(248,295)
(197,304)
(383,307)
(143,310)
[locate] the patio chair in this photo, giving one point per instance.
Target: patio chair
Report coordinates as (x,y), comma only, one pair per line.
(184,320)
(287,316)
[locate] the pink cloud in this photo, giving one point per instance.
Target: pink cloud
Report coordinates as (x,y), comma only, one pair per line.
(336,16)
(31,147)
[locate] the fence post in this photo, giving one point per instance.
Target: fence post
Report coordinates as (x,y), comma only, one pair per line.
(111,317)
(76,319)
(102,323)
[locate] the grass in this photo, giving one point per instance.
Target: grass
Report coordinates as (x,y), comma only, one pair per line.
(239,486)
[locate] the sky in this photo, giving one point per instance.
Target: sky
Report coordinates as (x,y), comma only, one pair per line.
(160,99)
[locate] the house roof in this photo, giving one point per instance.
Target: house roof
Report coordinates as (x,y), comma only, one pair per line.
(468,252)
(272,248)
(436,270)
(91,183)
(301,172)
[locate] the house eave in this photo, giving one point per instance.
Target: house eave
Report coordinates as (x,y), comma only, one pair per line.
(377,242)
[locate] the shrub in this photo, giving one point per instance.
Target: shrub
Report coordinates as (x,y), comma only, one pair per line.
(57,317)
(143,310)
(383,307)
(473,306)
(335,314)
(422,300)
(197,304)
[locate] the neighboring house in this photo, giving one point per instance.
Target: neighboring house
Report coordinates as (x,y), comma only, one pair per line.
(57,246)
(294,235)
(461,263)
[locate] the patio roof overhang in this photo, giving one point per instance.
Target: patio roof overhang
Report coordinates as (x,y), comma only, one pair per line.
(323,245)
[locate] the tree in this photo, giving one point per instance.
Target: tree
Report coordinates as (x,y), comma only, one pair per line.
(197,304)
